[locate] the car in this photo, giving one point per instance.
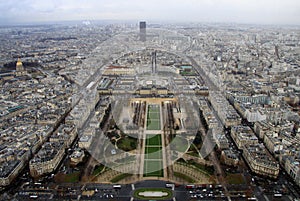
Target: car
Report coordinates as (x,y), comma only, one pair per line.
(200,196)
(168,185)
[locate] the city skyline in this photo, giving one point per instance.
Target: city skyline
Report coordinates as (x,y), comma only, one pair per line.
(223,11)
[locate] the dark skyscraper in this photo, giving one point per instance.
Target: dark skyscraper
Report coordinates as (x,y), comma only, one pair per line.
(276,52)
(143,31)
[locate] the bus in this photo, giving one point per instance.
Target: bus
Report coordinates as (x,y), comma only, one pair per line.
(190,186)
(33,197)
(117,186)
(277,195)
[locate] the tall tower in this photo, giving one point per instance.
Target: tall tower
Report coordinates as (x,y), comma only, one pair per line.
(276,52)
(143,31)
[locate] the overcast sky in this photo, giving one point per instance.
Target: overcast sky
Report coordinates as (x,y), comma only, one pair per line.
(239,11)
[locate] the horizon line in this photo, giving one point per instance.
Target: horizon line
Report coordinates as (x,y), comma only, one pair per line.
(152,21)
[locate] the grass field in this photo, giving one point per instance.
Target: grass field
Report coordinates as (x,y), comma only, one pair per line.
(120,177)
(98,169)
(67,178)
(150,150)
(179,144)
(153,117)
(183,176)
(235,179)
(127,143)
(153,166)
(153,141)
(164,190)
(153,153)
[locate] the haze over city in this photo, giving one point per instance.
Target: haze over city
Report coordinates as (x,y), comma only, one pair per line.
(228,11)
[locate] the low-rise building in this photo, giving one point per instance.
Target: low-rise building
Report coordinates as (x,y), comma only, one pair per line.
(9,171)
(261,127)
(292,167)
(66,133)
(221,141)
(225,111)
(77,156)
(243,135)
(228,157)
(87,137)
(153,90)
(85,141)
(118,70)
(260,161)
(273,142)
(47,159)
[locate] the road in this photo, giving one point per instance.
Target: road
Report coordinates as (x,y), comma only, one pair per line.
(219,173)
(97,151)
(201,73)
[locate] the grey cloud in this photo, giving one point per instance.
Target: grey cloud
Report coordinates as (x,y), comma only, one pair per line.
(245,11)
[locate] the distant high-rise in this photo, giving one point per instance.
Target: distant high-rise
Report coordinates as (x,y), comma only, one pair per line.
(276,52)
(143,31)
(254,38)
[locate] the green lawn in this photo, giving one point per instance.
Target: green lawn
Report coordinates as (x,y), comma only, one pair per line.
(180,144)
(184,73)
(98,169)
(183,176)
(72,178)
(153,157)
(149,150)
(193,153)
(153,118)
(152,165)
(209,170)
(158,173)
(153,124)
(120,177)
(127,143)
(153,168)
(67,178)
(155,140)
(235,179)
(155,154)
(153,108)
(154,113)
(165,190)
